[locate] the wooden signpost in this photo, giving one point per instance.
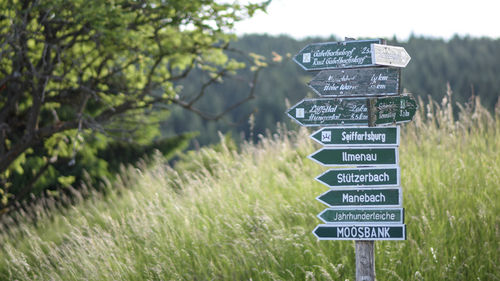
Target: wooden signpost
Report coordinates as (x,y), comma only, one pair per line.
(359,89)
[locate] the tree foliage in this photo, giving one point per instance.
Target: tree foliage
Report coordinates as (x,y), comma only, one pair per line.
(77,75)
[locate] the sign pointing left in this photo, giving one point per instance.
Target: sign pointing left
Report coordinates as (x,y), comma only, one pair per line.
(330,55)
(360,232)
(356,156)
(360,82)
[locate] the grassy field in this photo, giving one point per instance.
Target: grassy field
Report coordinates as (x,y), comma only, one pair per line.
(248,213)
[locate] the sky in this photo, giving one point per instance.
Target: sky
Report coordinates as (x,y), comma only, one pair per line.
(376,18)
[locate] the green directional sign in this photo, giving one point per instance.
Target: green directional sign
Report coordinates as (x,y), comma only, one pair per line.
(376,197)
(351,54)
(395,109)
(356,156)
(360,232)
(362,82)
(353,111)
(346,54)
(359,177)
(362,215)
(358,136)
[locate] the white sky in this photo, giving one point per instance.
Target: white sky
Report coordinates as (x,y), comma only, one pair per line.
(376,18)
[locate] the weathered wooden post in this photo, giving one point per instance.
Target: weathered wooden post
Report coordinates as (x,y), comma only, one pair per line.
(365,250)
(361,101)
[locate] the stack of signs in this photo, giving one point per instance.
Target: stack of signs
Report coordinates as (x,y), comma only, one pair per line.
(360,106)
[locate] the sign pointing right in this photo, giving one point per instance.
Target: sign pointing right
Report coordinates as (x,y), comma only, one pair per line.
(389,55)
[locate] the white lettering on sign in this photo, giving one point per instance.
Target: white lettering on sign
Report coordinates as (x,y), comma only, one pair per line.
(358,116)
(387,115)
(314,117)
(355,178)
(318,61)
(365,216)
(331,87)
(363,198)
(355,136)
(363,232)
(330,53)
(359,108)
(319,109)
(343,56)
(350,157)
(375,79)
(342,87)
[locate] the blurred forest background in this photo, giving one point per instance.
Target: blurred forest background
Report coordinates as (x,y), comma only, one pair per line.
(469,65)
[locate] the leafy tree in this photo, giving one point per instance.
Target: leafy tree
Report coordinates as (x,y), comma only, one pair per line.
(76,75)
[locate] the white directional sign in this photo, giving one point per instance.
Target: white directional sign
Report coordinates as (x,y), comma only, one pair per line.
(389,55)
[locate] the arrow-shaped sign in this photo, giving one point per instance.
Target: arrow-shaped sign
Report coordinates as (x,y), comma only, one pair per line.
(356,156)
(365,197)
(360,177)
(350,54)
(358,136)
(374,81)
(360,232)
(353,111)
(362,215)
(389,55)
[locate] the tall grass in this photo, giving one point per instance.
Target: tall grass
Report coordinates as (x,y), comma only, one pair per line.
(228,214)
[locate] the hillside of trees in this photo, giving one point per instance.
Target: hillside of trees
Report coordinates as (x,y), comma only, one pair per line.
(468,64)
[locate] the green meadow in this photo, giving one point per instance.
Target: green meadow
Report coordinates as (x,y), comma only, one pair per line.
(247,213)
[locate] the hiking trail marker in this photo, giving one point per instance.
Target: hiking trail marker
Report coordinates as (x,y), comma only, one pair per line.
(360,177)
(351,54)
(357,136)
(359,86)
(362,215)
(356,156)
(374,81)
(360,232)
(353,111)
(363,197)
